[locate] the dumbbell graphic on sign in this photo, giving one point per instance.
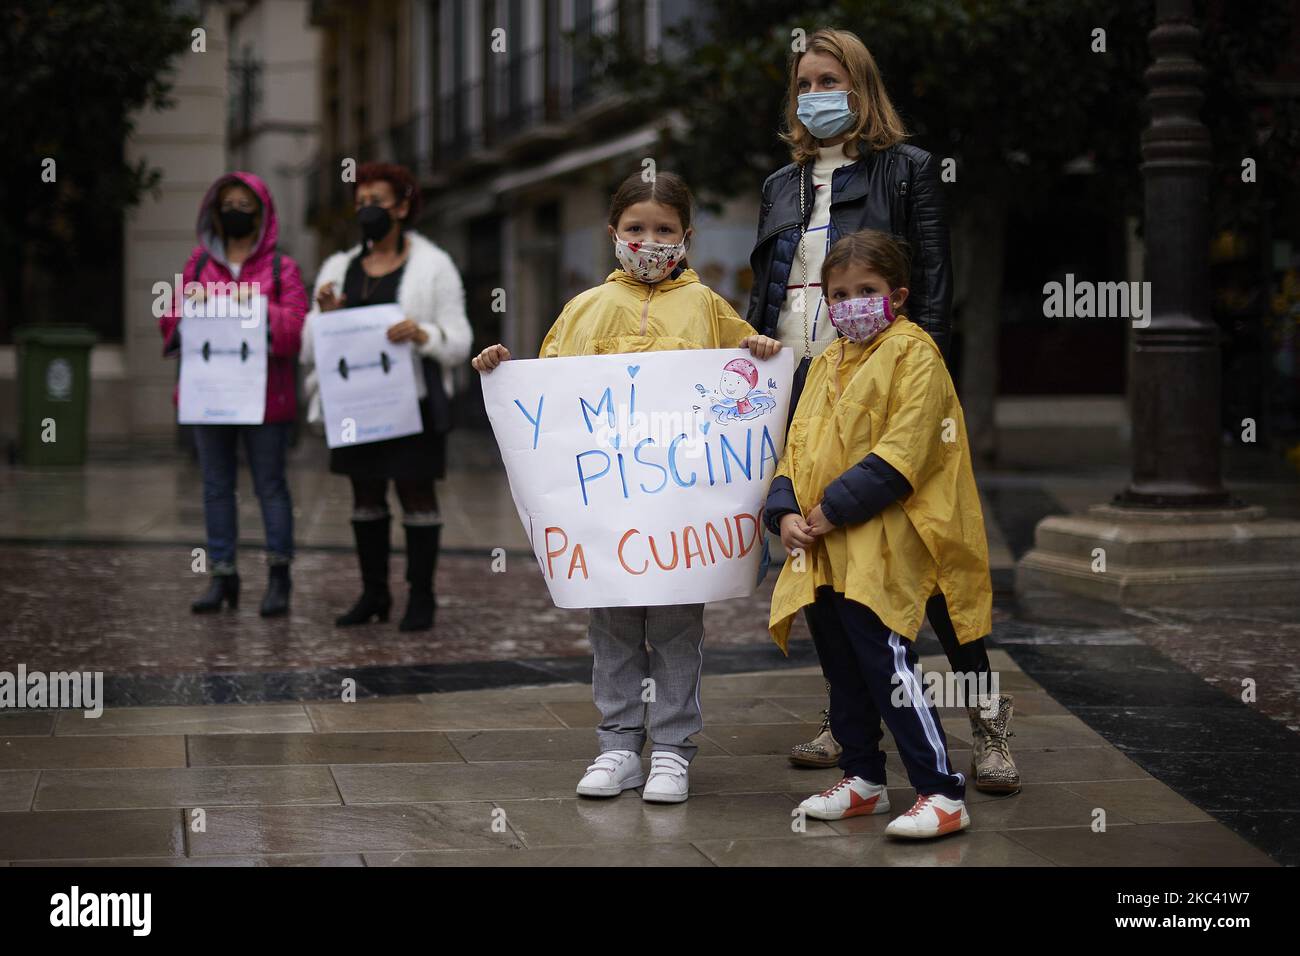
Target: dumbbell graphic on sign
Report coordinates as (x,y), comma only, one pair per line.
(207,351)
(346,368)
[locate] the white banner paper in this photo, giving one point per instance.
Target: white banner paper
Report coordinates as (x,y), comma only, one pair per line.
(640,478)
(223,362)
(367,384)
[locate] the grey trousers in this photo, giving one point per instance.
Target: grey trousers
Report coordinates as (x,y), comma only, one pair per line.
(664,645)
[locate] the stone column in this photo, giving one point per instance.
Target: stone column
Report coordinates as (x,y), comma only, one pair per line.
(1173,537)
(1175,369)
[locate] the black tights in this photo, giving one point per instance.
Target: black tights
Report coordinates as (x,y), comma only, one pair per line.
(969,658)
(371,495)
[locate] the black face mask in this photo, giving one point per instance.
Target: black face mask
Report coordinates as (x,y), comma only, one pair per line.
(375,222)
(236,224)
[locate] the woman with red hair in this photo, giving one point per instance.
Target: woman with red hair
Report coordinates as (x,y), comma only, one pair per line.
(394,263)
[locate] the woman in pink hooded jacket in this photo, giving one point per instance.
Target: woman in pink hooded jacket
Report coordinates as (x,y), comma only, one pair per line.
(237,231)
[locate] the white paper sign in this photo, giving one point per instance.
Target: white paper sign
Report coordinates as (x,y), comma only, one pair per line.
(368,389)
(640,478)
(223,362)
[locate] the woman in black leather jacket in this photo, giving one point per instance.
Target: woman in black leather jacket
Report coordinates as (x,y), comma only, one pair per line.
(852,170)
(883,184)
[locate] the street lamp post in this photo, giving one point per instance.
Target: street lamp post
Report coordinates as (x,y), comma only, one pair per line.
(1173,537)
(1175,369)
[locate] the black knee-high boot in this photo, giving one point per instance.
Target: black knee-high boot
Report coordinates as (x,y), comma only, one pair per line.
(371,535)
(421,562)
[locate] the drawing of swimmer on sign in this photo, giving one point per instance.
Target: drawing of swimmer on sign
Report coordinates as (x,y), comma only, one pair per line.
(738,398)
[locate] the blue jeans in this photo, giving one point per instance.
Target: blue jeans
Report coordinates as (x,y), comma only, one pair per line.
(265,447)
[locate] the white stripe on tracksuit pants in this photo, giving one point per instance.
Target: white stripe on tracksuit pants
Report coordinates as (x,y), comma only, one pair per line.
(865,663)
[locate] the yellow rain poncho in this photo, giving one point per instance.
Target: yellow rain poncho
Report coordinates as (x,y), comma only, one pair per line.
(625,315)
(892,397)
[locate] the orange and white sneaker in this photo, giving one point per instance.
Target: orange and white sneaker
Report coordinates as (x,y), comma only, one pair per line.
(932,815)
(851,797)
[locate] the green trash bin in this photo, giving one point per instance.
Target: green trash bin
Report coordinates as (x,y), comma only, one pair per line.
(53,393)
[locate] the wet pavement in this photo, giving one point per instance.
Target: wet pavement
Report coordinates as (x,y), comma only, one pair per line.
(489,717)
(486,778)
(98,574)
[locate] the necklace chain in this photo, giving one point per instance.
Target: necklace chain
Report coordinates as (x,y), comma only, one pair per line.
(803,257)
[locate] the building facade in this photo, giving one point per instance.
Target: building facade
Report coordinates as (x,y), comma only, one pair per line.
(244,96)
(517,143)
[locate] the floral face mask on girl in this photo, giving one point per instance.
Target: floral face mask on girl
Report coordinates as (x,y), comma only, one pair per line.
(861,320)
(650,262)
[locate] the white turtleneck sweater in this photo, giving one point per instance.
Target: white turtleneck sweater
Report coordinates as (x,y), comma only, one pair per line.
(790,324)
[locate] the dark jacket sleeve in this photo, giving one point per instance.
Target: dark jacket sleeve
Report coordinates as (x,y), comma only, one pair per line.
(756,311)
(753,313)
(930,303)
(780,501)
(862,492)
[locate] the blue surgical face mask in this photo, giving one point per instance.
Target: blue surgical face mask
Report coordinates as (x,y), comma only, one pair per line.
(826,114)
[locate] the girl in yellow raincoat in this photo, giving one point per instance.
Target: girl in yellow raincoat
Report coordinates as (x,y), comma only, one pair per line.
(652,303)
(876,504)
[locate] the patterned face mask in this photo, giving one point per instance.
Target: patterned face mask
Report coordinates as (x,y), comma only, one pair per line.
(861,320)
(650,262)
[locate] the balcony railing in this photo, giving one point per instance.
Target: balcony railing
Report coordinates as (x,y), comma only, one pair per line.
(536,86)
(519,93)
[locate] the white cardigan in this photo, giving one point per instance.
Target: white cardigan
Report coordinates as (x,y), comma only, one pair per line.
(430,292)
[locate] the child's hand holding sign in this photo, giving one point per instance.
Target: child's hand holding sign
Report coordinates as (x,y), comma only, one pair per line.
(490,358)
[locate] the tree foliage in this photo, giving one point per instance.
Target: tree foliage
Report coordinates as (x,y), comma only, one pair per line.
(71,74)
(1012,89)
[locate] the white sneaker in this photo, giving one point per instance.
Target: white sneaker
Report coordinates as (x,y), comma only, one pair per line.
(851,797)
(612,772)
(931,816)
(668,781)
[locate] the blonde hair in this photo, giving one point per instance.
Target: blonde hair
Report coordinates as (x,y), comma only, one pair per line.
(878,122)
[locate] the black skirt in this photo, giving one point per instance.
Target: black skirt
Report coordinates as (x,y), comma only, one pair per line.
(421,457)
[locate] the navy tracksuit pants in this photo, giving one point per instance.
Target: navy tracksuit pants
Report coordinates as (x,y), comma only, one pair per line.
(869,667)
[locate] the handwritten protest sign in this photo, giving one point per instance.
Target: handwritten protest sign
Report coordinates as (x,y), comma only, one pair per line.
(223,362)
(640,478)
(368,389)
